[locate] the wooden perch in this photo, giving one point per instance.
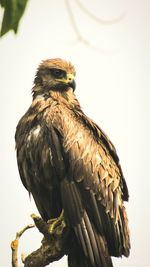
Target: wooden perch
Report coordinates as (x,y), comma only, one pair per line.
(15,243)
(54,243)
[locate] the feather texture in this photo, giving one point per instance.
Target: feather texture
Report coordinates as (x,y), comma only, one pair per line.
(67,162)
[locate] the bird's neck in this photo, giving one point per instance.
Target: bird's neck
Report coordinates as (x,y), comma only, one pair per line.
(66,97)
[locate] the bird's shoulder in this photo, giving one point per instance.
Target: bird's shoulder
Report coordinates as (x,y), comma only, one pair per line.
(34,115)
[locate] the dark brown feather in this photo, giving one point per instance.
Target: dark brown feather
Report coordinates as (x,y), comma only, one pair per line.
(67,162)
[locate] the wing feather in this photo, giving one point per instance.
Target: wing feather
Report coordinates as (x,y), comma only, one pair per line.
(96,169)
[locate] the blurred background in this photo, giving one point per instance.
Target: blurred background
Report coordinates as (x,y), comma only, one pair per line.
(109,44)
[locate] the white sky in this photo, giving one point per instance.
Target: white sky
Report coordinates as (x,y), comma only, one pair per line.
(113,88)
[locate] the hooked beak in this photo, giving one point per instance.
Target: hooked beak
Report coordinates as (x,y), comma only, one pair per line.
(70,81)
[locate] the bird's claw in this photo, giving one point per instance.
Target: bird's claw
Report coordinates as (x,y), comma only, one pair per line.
(57,224)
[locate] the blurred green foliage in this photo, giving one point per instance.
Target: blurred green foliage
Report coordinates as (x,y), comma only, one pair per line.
(13,11)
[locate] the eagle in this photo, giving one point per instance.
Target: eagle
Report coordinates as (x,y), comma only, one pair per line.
(68,164)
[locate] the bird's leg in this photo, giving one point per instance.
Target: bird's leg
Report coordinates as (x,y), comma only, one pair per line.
(57,223)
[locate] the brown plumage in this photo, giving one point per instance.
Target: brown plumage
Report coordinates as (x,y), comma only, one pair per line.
(67,162)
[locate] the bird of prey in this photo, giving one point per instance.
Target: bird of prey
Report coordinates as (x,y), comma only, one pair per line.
(69,164)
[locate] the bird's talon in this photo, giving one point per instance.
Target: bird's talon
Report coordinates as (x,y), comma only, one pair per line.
(56,223)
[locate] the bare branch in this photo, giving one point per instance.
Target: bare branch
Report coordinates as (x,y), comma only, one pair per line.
(72,20)
(80,37)
(98,19)
(54,244)
(15,243)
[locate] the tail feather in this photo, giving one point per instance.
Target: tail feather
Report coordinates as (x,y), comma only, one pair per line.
(94,251)
(94,245)
(77,258)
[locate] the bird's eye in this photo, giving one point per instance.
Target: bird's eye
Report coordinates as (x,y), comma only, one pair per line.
(57,73)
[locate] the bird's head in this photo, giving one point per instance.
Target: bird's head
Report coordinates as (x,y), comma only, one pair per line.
(54,74)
